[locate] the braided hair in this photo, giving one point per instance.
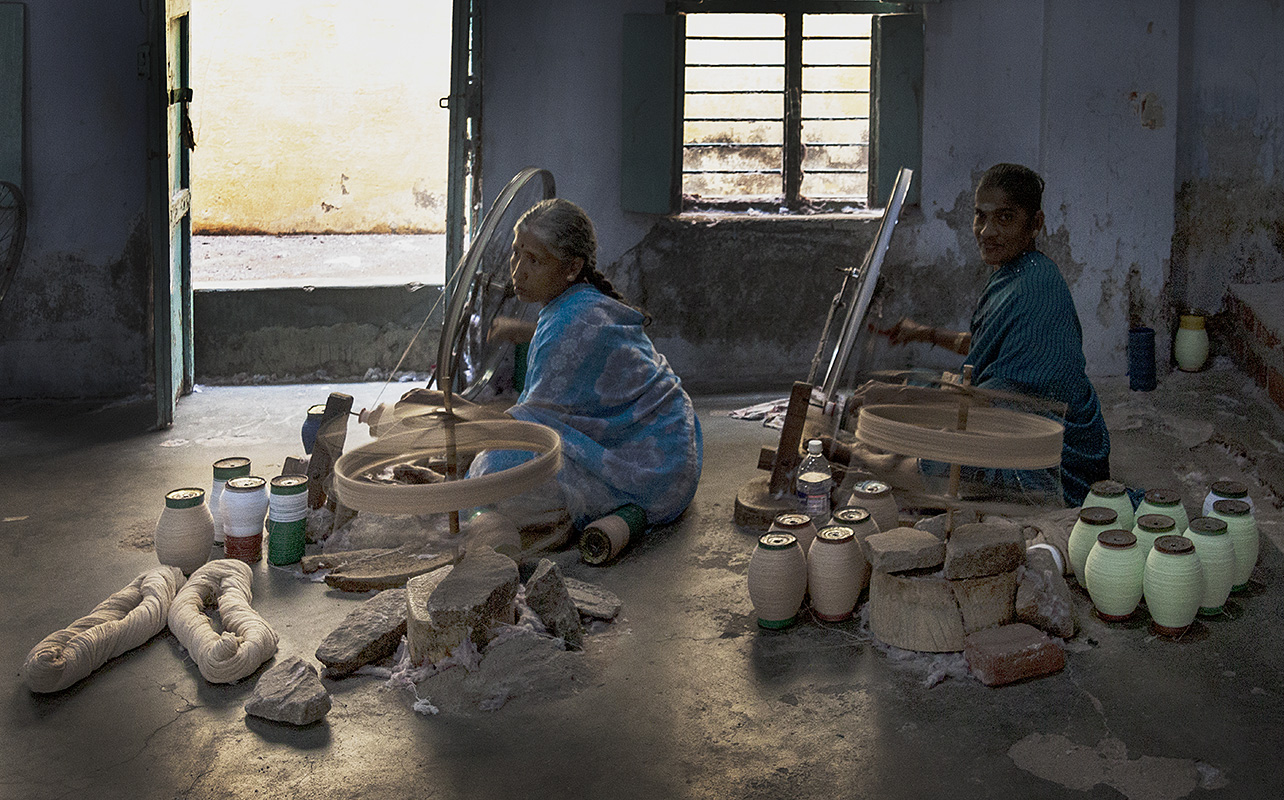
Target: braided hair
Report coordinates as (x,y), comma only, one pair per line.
(566,230)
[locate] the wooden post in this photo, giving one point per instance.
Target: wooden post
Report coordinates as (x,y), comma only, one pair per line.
(329,446)
(790,440)
(956,469)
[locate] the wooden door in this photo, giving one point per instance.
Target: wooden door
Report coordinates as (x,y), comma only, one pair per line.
(170,144)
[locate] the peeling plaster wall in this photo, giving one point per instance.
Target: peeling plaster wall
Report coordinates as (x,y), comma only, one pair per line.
(1084,91)
(75,321)
(1230,198)
(318,116)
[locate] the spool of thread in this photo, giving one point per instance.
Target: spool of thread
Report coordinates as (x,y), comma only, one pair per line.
(1226,490)
(1241,526)
(1217,556)
(862,524)
(312,424)
(1083,536)
(777,579)
(185,530)
(1150,527)
(1167,502)
(603,539)
(1141,359)
(1114,496)
(835,565)
(1190,347)
(1115,572)
(876,497)
(245,507)
(287,523)
(224,470)
(1173,584)
(800,525)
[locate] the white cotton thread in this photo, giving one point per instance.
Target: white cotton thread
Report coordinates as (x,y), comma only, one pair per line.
(185,531)
(288,507)
(244,507)
(224,470)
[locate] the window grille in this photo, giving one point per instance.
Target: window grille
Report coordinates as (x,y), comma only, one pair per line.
(776,109)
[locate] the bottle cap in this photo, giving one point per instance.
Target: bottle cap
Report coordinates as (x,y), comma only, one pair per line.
(814,447)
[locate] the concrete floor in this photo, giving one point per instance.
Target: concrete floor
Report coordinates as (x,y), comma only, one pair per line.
(682,697)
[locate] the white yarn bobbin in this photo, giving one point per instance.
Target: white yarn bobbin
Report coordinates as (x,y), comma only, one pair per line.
(288,498)
(185,530)
(224,470)
(245,506)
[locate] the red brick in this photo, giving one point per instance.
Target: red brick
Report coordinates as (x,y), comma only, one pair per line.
(1010,653)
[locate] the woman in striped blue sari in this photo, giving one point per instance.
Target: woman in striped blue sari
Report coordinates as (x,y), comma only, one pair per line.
(1025,334)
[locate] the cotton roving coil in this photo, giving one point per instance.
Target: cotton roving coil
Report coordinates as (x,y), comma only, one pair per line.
(118,624)
(246,641)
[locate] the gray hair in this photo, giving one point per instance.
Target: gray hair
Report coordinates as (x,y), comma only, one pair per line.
(566,230)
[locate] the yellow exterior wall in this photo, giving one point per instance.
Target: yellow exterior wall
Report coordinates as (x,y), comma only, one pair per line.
(320,116)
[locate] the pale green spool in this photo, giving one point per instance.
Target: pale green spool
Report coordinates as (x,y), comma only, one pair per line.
(1092,521)
(1150,527)
(1173,584)
(1217,556)
(1190,345)
(1114,496)
(1115,571)
(1244,536)
(1166,502)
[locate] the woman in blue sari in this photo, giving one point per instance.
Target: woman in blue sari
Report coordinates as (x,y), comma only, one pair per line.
(1025,334)
(629,432)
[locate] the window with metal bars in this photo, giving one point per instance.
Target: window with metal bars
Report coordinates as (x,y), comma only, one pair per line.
(776,109)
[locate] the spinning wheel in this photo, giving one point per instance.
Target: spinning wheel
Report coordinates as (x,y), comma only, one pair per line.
(483,291)
(480,291)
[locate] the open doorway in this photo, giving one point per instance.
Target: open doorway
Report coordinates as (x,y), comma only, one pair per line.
(321,147)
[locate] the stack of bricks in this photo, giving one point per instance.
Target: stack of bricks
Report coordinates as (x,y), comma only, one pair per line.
(1256,334)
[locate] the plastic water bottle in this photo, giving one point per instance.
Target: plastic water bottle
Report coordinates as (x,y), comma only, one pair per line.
(814,483)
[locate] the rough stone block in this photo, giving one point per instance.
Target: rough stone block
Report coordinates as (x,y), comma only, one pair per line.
(903,549)
(547,596)
(592,600)
(1043,597)
(1011,653)
(371,632)
(981,549)
(425,637)
(987,601)
(476,594)
(289,691)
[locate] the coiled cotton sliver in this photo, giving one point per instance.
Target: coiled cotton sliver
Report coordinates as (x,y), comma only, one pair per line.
(247,640)
(118,624)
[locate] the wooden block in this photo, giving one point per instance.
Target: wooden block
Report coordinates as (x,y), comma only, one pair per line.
(384,572)
(915,613)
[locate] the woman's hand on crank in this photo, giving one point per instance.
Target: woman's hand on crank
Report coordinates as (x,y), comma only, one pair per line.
(508,329)
(907,330)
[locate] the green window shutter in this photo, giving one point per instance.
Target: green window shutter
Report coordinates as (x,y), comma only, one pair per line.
(896,114)
(650,147)
(11,88)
